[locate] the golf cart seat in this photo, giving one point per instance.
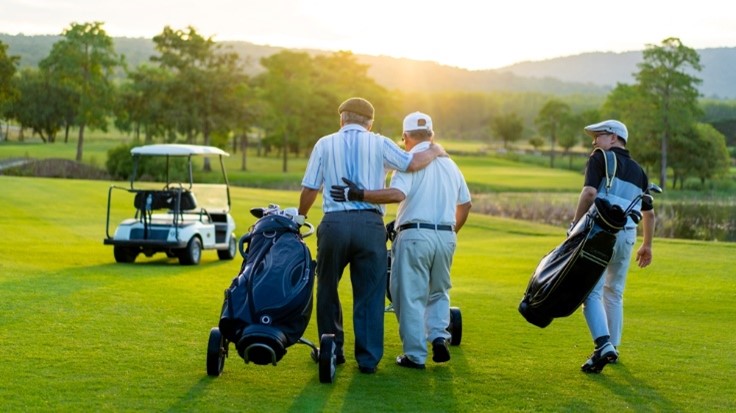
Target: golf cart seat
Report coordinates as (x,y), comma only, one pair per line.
(149,200)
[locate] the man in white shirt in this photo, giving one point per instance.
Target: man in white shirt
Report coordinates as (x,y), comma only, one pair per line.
(434,205)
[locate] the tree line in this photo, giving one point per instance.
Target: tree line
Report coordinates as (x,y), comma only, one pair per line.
(196,91)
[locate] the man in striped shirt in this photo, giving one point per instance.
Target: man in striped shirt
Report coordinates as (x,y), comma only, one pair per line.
(353,232)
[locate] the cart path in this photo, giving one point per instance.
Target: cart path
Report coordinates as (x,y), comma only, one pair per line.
(13,162)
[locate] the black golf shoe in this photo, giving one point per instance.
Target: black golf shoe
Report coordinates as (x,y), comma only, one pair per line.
(404,361)
(440,350)
(601,356)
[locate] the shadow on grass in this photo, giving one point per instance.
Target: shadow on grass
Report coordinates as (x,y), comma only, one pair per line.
(195,393)
(391,388)
(623,387)
(632,388)
(314,395)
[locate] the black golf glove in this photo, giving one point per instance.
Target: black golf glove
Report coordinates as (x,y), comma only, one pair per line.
(349,192)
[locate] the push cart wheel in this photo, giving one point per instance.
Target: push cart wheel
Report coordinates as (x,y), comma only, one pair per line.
(327,362)
(456,326)
(216,353)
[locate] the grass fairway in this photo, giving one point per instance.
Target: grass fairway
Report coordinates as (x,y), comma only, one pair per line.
(79,332)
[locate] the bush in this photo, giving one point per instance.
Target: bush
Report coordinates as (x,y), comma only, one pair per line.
(119,162)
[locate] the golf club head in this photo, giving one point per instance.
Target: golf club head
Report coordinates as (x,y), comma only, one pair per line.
(635,216)
(257,212)
(655,188)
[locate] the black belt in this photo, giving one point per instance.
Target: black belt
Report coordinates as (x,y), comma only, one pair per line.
(418,225)
(375,211)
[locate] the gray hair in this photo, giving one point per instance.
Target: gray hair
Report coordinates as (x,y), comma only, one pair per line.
(420,135)
(351,117)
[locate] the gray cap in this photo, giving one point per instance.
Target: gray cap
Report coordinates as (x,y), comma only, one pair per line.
(610,126)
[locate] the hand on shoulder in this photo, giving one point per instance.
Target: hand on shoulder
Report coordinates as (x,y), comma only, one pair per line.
(438,149)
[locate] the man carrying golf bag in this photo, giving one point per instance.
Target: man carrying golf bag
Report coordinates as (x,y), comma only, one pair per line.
(603,308)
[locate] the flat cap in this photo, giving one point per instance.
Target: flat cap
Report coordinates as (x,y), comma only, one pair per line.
(610,126)
(357,105)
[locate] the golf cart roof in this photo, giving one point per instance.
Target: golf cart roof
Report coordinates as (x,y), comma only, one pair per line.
(176,149)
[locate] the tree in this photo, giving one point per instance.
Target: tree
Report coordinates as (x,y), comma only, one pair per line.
(630,105)
(537,142)
(550,121)
(702,153)
(288,87)
(582,119)
(8,90)
(664,79)
(43,104)
(508,128)
(142,102)
(204,86)
(84,62)
(336,77)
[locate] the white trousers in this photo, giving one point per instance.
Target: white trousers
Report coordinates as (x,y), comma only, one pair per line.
(604,307)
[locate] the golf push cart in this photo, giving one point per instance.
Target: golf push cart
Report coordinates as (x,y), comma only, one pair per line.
(169,218)
(268,305)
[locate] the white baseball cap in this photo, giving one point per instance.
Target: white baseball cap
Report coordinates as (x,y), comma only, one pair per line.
(417,121)
(610,126)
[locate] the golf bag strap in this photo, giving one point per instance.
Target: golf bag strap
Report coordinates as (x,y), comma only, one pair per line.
(609,158)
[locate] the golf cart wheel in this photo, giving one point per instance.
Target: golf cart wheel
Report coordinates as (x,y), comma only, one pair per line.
(327,361)
(125,254)
(216,353)
(232,249)
(192,253)
(456,326)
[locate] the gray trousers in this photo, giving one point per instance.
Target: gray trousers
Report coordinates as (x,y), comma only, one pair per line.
(420,287)
(357,238)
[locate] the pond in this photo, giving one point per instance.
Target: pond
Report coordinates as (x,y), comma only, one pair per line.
(712,220)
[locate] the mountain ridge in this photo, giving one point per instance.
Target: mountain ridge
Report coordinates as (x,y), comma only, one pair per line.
(593,73)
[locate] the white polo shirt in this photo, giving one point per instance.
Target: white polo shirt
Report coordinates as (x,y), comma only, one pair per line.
(433,193)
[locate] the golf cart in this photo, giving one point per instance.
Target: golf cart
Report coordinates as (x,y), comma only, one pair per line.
(170,218)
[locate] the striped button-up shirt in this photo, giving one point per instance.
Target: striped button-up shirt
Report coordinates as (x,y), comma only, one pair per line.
(355,153)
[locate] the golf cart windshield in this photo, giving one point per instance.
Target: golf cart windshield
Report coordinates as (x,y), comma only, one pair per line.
(212,197)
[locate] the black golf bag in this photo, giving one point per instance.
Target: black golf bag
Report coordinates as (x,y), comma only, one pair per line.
(268,305)
(566,275)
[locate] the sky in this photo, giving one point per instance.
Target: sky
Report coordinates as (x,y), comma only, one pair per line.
(471,34)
